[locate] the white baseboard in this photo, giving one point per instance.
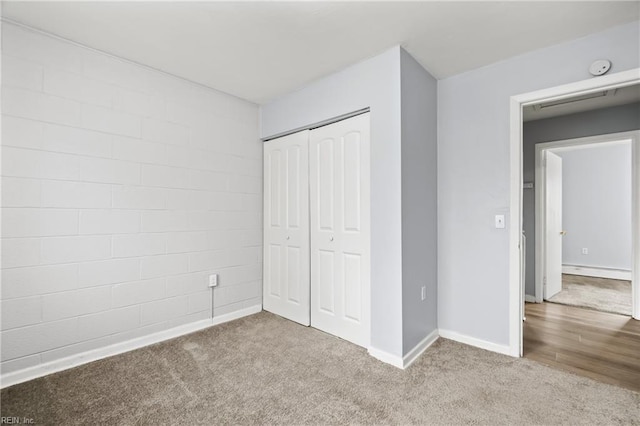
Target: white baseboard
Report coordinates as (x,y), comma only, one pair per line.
(55,366)
(529,298)
(614,274)
(386,357)
(410,357)
(479,343)
(236,314)
(415,353)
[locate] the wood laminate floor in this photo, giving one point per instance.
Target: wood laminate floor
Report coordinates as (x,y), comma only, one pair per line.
(599,345)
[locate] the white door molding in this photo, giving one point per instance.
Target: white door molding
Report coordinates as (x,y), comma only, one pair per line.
(610,81)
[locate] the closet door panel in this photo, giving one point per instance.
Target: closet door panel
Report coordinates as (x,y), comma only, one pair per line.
(293,187)
(273,196)
(274,269)
(340,241)
(286,277)
(325,183)
(293,274)
(325,281)
(351,159)
(353,286)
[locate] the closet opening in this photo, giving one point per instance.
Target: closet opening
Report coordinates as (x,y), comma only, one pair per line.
(317,227)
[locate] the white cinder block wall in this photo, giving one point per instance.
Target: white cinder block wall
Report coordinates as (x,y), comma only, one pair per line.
(122,189)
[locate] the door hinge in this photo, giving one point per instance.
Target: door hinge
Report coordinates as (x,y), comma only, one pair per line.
(544,281)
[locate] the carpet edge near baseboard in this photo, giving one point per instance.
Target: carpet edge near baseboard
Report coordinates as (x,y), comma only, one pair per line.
(66,363)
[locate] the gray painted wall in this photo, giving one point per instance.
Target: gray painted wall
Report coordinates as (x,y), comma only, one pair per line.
(419,196)
(474,173)
(596,206)
(608,120)
(374,83)
(402,97)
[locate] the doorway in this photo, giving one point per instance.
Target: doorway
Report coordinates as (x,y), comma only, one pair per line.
(596,344)
(516,239)
(583,221)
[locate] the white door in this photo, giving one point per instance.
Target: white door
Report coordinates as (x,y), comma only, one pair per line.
(340,253)
(286,227)
(553,217)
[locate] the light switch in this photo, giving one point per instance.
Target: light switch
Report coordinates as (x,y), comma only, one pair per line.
(500,221)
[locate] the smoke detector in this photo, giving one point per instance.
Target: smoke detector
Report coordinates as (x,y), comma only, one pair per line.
(600,67)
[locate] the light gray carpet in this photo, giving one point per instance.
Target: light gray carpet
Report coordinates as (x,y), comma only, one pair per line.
(601,294)
(263,369)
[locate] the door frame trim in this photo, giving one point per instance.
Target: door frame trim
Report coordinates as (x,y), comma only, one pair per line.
(516,102)
(540,197)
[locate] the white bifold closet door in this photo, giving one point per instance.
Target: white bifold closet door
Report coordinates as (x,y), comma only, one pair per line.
(317,243)
(340,246)
(286,227)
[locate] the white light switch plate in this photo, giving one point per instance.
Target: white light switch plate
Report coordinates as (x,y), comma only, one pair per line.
(500,221)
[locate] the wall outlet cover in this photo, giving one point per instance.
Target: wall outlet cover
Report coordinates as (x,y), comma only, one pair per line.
(213,280)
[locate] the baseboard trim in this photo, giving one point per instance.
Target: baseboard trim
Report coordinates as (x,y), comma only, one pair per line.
(386,357)
(55,366)
(236,315)
(418,349)
(614,274)
(530,299)
(478,343)
(410,357)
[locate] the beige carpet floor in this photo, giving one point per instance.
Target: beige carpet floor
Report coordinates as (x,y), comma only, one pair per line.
(263,369)
(601,294)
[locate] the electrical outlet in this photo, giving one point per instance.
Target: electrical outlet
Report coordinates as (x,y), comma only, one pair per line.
(585,251)
(424,292)
(213,280)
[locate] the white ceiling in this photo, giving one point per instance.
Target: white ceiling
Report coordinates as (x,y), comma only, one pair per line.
(261,50)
